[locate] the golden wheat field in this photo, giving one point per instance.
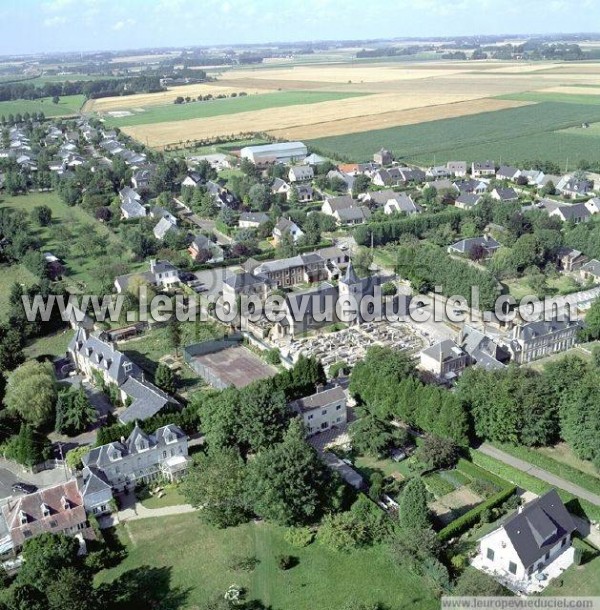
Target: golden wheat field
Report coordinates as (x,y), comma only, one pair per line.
(396,94)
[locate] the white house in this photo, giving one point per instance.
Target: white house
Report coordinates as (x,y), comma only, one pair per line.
(301,173)
(324,410)
(531,547)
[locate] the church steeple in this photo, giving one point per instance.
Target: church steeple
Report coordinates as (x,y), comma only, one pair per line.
(350,277)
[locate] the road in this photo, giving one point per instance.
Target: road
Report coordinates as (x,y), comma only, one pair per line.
(543,475)
(11,472)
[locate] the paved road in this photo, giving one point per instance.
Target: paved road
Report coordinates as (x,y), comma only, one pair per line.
(544,475)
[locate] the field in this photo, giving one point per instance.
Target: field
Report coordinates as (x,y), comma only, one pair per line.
(67,106)
(179,112)
(399,97)
(321,580)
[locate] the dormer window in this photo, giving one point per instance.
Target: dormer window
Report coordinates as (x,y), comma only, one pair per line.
(22,517)
(115,455)
(65,503)
(127,367)
(45,510)
(170,438)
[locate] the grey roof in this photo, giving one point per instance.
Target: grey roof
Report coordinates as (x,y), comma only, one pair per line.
(350,276)
(466,245)
(278,184)
(285,224)
(279,265)
(487,165)
(202,242)
(404,203)
(94,481)
(258,217)
(576,210)
(382,197)
(133,208)
(457,166)
(128,193)
(238,281)
(319,400)
(351,476)
(103,354)
(311,258)
(507,171)
(302,172)
(444,350)
(468,199)
(538,527)
(339,203)
(354,213)
(592,267)
(532,330)
(163,226)
(148,400)
(506,194)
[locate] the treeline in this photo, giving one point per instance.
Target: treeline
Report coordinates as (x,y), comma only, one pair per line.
(391,51)
(524,407)
(92,89)
(584,237)
(386,382)
(428,266)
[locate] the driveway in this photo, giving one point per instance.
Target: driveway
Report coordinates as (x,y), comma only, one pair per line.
(544,475)
(11,472)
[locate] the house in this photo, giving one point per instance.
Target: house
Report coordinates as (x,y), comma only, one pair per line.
(141,177)
(438,171)
(130,208)
(482,350)
(286,226)
(457,169)
(569,186)
(443,185)
(593,205)
(56,509)
(467,201)
(590,270)
(531,547)
(569,259)
(304,193)
(353,215)
(96,492)
(533,176)
(201,245)
(348,179)
(252,220)
(246,284)
(471,186)
(192,180)
(162,274)
(301,173)
(505,195)
(535,340)
(280,186)
(464,247)
(401,203)
(576,212)
(446,360)
(482,169)
(383,157)
(140,458)
(506,172)
(163,226)
(322,411)
(282,152)
(333,204)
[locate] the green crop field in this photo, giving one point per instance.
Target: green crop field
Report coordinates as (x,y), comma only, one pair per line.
(67,105)
(231,105)
(512,135)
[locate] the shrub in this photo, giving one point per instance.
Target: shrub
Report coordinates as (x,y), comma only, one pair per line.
(285,562)
(299,536)
(458,562)
(458,526)
(273,356)
(484,488)
(243,564)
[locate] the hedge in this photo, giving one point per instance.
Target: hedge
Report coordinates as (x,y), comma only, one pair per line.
(470,518)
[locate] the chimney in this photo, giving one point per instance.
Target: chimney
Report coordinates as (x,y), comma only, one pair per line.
(122,439)
(152,264)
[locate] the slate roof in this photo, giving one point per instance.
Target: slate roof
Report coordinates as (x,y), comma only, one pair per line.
(340,203)
(285,224)
(319,400)
(507,171)
(538,527)
(506,194)
(239,281)
(444,350)
(532,330)
(163,226)
(133,208)
(592,267)
(465,246)
(148,400)
(354,213)
(468,199)
(93,481)
(574,211)
(258,217)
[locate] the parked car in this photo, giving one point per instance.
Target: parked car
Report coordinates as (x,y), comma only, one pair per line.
(25,488)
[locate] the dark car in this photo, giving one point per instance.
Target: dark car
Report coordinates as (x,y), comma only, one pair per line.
(24,488)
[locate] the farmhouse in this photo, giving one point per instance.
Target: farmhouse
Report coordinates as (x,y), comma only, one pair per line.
(324,410)
(282,152)
(531,547)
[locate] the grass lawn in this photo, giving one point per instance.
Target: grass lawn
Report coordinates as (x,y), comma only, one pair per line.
(559,285)
(67,105)
(52,345)
(9,275)
(322,580)
(387,467)
(171,497)
(578,581)
(589,480)
(248,103)
(538,365)
(531,483)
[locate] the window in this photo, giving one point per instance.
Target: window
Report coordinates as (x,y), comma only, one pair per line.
(563,542)
(512,567)
(547,556)
(324,412)
(338,407)
(324,425)
(310,417)
(490,554)
(164,454)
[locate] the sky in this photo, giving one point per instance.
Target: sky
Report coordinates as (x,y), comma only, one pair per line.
(33,26)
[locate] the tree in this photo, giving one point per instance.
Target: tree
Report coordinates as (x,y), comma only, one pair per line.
(288,483)
(436,452)
(472,582)
(362,261)
(360,185)
(591,329)
(165,378)
(286,248)
(216,484)
(42,214)
(31,392)
(74,412)
(55,99)
(174,332)
(74,457)
(414,512)
(548,189)
(370,435)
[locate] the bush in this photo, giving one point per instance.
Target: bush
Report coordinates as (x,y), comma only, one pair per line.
(285,562)
(243,564)
(464,522)
(338,369)
(273,356)
(484,488)
(459,562)
(299,536)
